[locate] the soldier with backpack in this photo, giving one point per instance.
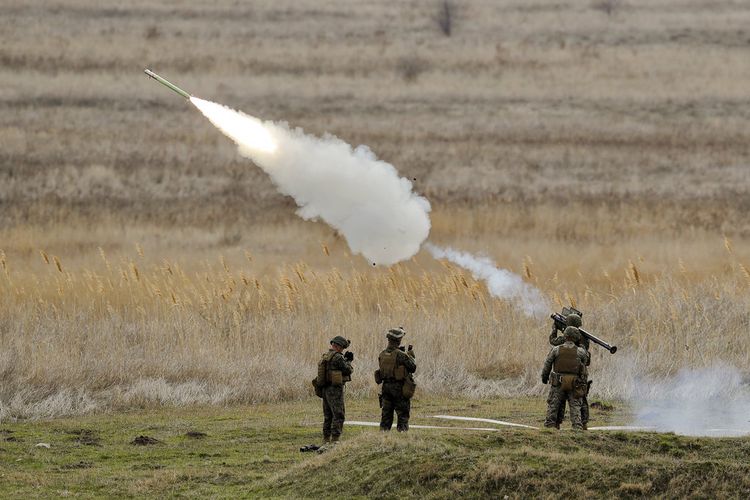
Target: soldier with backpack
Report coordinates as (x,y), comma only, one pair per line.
(565,370)
(396,367)
(573,319)
(334,370)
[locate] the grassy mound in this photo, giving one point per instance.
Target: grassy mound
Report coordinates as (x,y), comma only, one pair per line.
(521,464)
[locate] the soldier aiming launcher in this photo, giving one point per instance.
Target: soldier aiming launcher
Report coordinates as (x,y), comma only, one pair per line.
(561,324)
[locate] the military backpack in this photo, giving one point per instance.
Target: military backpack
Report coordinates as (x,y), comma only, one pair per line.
(327,377)
(568,367)
(390,368)
(392,371)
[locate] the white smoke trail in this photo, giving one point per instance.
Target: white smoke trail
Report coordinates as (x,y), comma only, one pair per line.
(350,189)
(501,283)
(711,401)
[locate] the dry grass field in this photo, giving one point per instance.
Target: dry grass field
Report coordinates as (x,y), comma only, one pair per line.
(601,149)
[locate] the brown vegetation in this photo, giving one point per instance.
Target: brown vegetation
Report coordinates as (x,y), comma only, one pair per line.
(601,153)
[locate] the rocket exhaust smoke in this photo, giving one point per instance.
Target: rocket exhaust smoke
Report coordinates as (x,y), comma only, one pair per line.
(349,188)
(357,194)
(711,401)
(501,283)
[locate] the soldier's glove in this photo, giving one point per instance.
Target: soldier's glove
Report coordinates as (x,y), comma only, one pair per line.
(349,356)
(545,379)
(410,348)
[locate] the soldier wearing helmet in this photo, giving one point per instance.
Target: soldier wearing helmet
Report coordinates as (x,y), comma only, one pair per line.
(576,321)
(565,370)
(571,320)
(395,369)
(334,371)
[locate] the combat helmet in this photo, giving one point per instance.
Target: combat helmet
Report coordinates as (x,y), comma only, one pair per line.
(396,334)
(573,319)
(340,341)
(572,333)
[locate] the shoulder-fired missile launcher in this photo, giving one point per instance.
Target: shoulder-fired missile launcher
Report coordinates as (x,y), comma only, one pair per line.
(561,324)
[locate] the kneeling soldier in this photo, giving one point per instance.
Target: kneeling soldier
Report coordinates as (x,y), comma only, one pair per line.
(395,373)
(568,380)
(334,370)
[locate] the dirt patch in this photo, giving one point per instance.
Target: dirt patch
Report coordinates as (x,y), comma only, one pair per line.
(145,441)
(86,437)
(148,466)
(598,405)
(78,465)
(195,434)
(5,434)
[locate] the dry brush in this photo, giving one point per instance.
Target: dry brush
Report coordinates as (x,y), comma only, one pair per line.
(137,331)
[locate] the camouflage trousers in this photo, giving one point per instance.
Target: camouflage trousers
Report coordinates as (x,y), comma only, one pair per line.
(334,412)
(557,399)
(584,412)
(392,400)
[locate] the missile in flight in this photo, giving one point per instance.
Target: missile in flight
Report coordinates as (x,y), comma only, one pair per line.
(167,83)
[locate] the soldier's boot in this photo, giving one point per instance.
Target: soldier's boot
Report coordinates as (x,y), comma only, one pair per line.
(402,427)
(557,426)
(551,425)
(335,439)
(585,427)
(326,438)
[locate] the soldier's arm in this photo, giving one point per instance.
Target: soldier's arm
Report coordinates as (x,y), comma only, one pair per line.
(554,339)
(584,356)
(548,363)
(340,363)
(585,343)
(408,362)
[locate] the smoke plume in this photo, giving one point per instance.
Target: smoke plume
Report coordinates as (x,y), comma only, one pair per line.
(711,401)
(501,283)
(349,188)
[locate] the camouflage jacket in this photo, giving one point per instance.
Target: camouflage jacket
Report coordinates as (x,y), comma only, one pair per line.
(338,362)
(583,357)
(555,340)
(403,359)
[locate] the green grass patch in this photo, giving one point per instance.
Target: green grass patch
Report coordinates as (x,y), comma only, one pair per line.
(254,451)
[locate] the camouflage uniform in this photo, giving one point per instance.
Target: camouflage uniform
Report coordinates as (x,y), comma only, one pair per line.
(580,341)
(557,394)
(334,411)
(391,397)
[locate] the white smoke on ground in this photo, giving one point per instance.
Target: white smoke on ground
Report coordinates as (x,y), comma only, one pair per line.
(712,401)
(501,283)
(349,188)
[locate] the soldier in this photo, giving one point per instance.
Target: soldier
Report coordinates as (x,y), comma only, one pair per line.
(395,373)
(576,321)
(334,370)
(568,380)
(570,320)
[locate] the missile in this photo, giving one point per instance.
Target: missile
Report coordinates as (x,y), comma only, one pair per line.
(167,83)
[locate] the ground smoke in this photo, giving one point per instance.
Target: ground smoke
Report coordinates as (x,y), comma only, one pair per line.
(501,283)
(350,189)
(700,402)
